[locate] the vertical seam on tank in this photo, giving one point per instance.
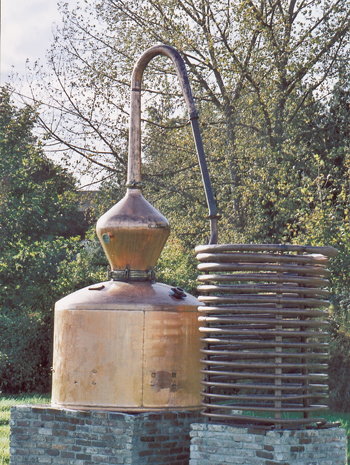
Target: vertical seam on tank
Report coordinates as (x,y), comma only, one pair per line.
(143,355)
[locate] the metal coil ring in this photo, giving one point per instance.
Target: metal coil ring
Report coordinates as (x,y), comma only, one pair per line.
(264,329)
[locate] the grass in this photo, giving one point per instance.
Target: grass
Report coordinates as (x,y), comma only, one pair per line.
(7,402)
(344,419)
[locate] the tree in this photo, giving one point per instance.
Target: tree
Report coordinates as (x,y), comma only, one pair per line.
(270,80)
(255,70)
(40,262)
(38,198)
(271,83)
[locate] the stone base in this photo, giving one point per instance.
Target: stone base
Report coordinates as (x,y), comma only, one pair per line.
(41,434)
(219,444)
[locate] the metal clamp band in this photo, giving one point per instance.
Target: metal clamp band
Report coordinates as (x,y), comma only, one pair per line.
(134,185)
(131,275)
(194,115)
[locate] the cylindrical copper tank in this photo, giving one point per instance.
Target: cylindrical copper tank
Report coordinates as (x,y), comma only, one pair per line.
(130,344)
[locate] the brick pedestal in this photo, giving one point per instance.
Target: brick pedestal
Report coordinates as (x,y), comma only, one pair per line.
(220,444)
(44,435)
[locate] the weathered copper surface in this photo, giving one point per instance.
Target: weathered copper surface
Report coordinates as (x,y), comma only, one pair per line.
(134,163)
(130,344)
(132,233)
(127,347)
(264,332)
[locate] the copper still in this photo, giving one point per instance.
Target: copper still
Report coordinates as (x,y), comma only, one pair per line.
(131,344)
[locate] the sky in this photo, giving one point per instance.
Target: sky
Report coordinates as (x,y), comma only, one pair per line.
(26,33)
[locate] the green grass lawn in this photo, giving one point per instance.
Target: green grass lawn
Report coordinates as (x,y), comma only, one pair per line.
(6,402)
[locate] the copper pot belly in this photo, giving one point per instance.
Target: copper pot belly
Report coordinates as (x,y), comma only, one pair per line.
(127,347)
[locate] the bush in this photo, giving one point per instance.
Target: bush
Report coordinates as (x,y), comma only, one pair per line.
(25,359)
(40,262)
(339,360)
(177,266)
(36,278)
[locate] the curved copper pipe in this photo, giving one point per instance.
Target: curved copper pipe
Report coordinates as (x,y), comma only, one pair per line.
(134,161)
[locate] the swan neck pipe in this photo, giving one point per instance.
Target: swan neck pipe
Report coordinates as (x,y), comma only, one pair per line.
(134,160)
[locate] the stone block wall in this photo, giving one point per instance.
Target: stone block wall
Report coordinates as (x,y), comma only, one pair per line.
(221,444)
(45,435)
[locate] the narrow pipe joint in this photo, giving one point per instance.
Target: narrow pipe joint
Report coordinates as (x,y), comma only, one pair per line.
(194,115)
(134,185)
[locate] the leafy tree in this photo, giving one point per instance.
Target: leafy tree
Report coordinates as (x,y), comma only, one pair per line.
(258,70)
(271,55)
(39,262)
(38,198)
(270,80)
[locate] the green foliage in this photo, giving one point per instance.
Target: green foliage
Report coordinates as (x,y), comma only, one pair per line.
(271,83)
(5,404)
(254,68)
(177,266)
(39,262)
(270,86)
(339,362)
(35,278)
(37,198)
(25,353)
